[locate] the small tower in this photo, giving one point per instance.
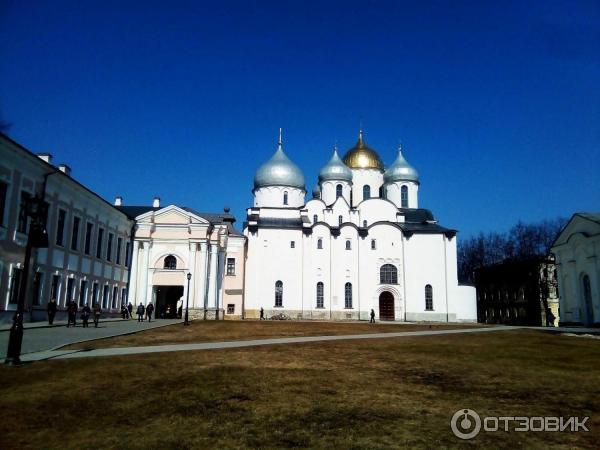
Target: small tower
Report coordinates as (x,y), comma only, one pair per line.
(335,180)
(367,171)
(279,183)
(402,183)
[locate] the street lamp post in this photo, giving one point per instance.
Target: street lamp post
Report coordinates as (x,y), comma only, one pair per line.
(187,300)
(36,238)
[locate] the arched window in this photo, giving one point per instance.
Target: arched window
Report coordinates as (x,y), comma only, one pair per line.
(340,220)
(373,244)
(404,196)
(170,262)
(348,295)
(366,192)
(428,298)
(320,243)
(320,295)
(380,191)
(364,223)
(279,293)
(348,245)
(338,191)
(285,198)
(315,218)
(388,274)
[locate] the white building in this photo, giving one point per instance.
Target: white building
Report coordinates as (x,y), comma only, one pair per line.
(360,243)
(577,252)
(173,242)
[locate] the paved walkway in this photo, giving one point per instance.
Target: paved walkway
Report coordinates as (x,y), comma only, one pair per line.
(122,351)
(38,339)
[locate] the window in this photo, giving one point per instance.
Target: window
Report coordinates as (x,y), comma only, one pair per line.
(170,263)
(89,229)
(82,287)
(70,288)
(380,191)
(3,192)
(127,253)
(285,198)
(109,246)
(428,298)
(320,244)
(230,266)
(292,244)
(95,294)
(15,285)
(54,289)
(348,245)
(338,191)
(115,297)
(340,220)
(230,308)
(99,243)
(320,302)
(60,227)
(315,218)
(105,296)
(119,246)
(75,233)
(373,244)
(388,274)
(365,224)
(37,287)
(348,295)
(404,197)
(279,293)
(366,192)
(23,220)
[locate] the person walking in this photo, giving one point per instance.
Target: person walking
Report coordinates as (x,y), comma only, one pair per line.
(140,312)
(97,311)
(72,314)
(130,310)
(262,313)
(85,315)
(372,316)
(149,311)
(123,311)
(51,310)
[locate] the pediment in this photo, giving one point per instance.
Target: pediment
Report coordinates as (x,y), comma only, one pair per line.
(171,215)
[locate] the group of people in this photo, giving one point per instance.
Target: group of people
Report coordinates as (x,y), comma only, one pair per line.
(72,309)
(145,312)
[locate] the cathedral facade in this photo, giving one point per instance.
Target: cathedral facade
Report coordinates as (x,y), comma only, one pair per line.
(360,244)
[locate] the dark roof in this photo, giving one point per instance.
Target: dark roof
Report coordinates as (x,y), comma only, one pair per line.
(417,215)
(214,218)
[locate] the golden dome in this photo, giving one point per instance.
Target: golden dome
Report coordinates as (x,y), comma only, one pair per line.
(362,157)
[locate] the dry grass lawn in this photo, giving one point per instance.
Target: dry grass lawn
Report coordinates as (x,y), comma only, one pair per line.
(383,393)
(218,331)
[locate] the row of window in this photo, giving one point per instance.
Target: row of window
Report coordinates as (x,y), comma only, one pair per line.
(348,293)
(108,297)
(170,263)
(367,194)
(348,244)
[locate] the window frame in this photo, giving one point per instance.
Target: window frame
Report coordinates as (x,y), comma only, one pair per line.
(75,226)
(388,274)
(320,295)
(428,297)
(404,196)
(230,267)
(339,191)
(366,191)
(348,296)
(279,294)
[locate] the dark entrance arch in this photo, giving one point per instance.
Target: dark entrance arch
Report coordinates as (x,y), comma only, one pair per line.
(386,306)
(166,301)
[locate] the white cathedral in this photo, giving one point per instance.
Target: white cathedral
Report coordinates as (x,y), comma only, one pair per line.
(361,243)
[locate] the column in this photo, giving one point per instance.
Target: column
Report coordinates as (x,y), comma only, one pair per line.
(133,272)
(200,294)
(212,276)
(192,270)
(145,264)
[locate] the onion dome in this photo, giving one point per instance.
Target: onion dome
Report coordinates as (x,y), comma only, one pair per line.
(316,192)
(279,171)
(335,170)
(401,170)
(362,157)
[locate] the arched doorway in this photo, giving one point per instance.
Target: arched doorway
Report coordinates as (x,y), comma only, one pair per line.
(587,300)
(386,306)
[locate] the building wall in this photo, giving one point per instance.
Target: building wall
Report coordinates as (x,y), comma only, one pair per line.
(24,172)
(233,284)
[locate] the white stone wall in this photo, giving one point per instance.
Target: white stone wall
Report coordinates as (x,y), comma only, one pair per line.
(361,177)
(329,191)
(393,193)
(272,196)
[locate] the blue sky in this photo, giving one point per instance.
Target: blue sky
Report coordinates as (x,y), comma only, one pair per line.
(497,103)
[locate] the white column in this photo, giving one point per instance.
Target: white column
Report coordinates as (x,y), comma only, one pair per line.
(133,272)
(192,270)
(145,266)
(212,276)
(200,285)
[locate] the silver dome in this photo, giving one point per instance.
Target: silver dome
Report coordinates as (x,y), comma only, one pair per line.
(401,170)
(335,170)
(279,171)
